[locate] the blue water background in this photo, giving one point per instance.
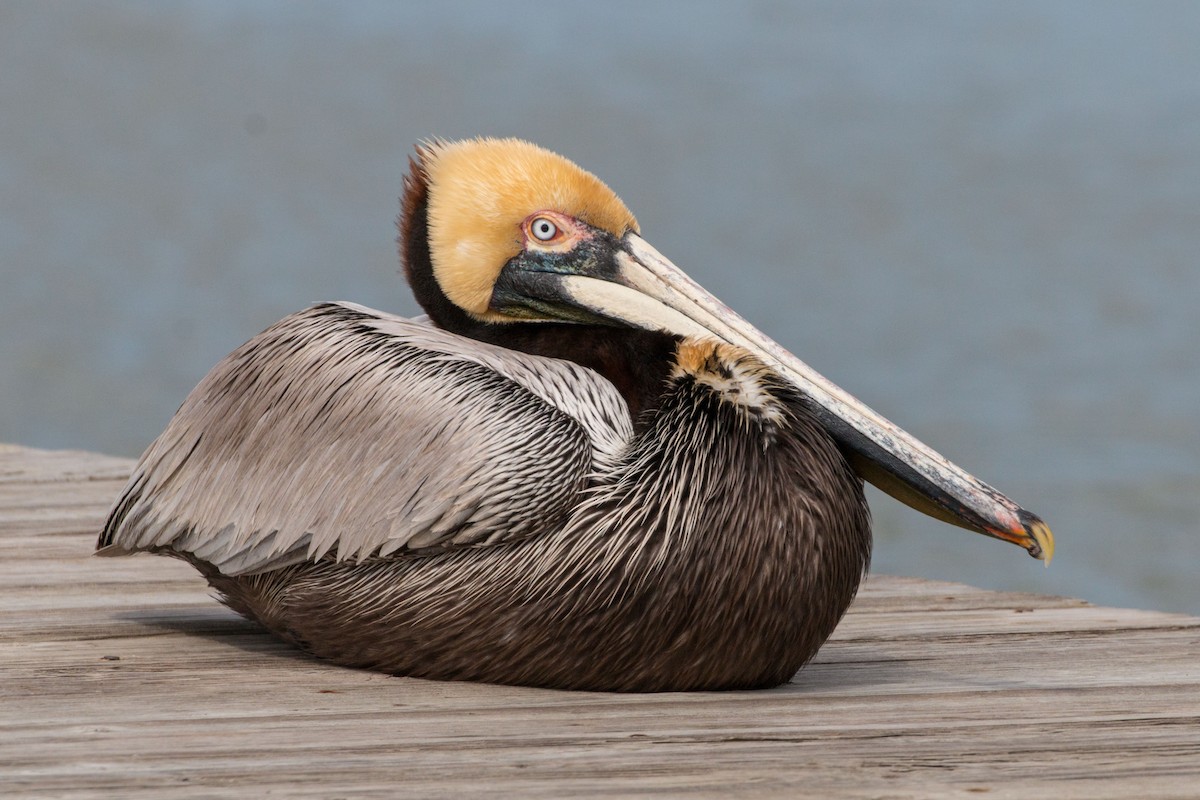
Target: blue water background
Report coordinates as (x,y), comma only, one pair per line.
(981,218)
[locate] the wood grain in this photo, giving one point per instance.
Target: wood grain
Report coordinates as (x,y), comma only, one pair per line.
(124,678)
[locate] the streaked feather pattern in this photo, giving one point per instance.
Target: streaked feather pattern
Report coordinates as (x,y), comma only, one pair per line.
(342,432)
(692,564)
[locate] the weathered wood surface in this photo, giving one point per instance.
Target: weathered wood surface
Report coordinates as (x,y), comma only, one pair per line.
(123,678)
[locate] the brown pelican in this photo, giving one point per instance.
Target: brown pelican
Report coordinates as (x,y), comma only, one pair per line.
(581,471)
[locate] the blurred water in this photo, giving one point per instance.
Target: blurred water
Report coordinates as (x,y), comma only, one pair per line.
(982,218)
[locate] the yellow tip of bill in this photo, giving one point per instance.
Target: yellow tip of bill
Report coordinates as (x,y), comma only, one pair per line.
(1040,533)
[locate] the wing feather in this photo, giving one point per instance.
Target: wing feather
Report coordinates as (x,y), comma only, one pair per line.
(342,432)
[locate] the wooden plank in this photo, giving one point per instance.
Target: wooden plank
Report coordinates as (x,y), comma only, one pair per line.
(123,678)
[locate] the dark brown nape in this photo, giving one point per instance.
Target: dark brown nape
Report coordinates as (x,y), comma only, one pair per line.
(636,361)
(415,260)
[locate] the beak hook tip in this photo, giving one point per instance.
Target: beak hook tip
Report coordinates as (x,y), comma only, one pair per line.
(1041,539)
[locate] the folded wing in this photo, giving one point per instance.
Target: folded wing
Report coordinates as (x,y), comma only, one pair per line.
(342,432)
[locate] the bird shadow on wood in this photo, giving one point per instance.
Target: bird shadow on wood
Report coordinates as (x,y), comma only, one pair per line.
(217,625)
(865,671)
(862,669)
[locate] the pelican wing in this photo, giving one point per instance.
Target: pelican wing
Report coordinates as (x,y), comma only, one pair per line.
(342,432)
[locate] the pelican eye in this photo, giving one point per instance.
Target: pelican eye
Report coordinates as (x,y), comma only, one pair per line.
(543,229)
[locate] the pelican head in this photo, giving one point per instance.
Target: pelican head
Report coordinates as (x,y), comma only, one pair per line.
(500,235)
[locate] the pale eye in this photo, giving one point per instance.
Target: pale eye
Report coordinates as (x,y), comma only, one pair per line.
(543,229)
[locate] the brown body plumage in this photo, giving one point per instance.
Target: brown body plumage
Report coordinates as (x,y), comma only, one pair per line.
(721,554)
(566,478)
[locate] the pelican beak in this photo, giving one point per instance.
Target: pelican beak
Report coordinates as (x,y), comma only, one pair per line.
(645,290)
